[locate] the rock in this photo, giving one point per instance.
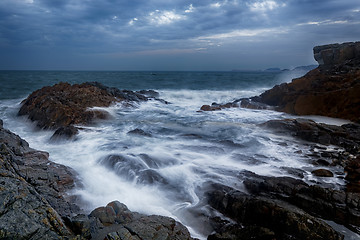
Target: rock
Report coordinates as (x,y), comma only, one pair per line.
(209,108)
(250,103)
(322,173)
(333,86)
(335,54)
(35,204)
(149,93)
(63,105)
(67,133)
(32,192)
(266,217)
(117,222)
(346,136)
(352,170)
(138,131)
(336,205)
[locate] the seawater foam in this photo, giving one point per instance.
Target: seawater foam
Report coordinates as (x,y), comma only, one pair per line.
(183,152)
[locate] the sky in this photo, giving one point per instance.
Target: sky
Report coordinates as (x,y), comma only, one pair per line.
(170,35)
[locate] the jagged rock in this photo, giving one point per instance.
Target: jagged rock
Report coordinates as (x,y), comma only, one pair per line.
(346,136)
(32,192)
(331,90)
(273,219)
(335,54)
(250,103)
(336,205)
(67,132)
(35,204)
(138,131)
(116,221)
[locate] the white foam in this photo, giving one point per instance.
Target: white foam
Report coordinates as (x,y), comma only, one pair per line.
(189,149)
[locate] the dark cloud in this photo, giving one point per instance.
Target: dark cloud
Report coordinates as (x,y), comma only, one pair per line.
(106,32)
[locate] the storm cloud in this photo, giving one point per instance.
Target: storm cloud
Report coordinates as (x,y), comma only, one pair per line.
(170,35)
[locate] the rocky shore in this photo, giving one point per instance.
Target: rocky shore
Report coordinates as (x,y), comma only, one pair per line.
(332,89)
(36,193)
(276,208)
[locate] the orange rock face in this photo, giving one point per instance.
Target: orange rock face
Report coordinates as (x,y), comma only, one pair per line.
(329,90)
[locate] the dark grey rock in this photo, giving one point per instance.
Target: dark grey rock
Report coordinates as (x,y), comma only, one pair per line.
(271,217)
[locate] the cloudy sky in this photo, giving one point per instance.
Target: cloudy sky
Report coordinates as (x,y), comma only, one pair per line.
(170,34)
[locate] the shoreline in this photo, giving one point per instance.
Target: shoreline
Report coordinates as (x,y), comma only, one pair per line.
(293,205)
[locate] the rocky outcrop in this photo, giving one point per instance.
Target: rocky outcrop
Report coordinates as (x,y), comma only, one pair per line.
(35,203)
(337,54)
(32,192)
(62,106)
(116,221)
(346,137)
(282,208)
(331,90)
(243,103)
(258,216)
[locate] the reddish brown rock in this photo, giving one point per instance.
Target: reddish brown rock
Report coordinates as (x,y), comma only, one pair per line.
(63,105)
(330,90)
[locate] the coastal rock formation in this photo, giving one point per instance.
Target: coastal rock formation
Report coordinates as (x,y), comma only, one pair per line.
(346,137)
(63,105)
(32,192)
(35,204)
(116,221)
(258,217)
(330,90)
(337,54)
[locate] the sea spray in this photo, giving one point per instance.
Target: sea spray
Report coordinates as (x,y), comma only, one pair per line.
(177,154)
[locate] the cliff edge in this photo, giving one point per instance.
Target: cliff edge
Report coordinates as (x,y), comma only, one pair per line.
(332,89)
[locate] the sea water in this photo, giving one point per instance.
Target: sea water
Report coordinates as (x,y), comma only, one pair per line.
(167,168)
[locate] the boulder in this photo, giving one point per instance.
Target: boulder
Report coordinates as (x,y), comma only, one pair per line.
(63,105)
(116,221)
(322,173)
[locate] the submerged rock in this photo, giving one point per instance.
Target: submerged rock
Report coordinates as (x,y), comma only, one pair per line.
(322,173)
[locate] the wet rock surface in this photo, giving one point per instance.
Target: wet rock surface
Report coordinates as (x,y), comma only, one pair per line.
(32,192)
(259,216)
(63,105)
(330,90)
(36,205)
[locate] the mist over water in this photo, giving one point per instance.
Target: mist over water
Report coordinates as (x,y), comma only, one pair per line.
(160,158)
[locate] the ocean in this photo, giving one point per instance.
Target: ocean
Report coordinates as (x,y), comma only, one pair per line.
(165,171)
